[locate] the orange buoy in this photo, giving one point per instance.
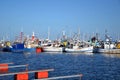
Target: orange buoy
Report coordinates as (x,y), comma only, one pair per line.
(3,68)
(23,76)
(40,75)
(38,50)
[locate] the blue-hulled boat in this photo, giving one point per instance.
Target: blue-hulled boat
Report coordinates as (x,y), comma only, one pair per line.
(18,47)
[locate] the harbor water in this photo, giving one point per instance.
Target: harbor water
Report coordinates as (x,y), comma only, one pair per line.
(92,66)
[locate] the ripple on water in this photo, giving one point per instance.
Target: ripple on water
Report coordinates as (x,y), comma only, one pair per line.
(92,66)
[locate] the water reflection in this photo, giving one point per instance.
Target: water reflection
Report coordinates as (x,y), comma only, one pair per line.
(81,53)
(112,55)
(88,53)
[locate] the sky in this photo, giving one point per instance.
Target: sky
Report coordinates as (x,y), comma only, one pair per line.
(90,16)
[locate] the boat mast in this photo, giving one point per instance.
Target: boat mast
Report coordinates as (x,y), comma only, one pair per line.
(21,35)
(33,36)
(48,33)
(63,34)
(79,33)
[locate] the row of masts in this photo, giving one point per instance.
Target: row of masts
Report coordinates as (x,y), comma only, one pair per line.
(75,36)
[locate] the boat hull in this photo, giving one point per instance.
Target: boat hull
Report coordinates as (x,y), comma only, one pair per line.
(99,50)
(53,49)
(23,50)
(87,49)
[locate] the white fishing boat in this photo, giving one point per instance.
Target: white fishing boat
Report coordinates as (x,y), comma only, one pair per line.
(49,46)
(107,47)
(52,49)
(80,49)
(107,51)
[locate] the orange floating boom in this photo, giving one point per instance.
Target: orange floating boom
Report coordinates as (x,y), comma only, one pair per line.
(6,74)
(61,77)
(1,67)
(41,75)
(24,76)
(4,68)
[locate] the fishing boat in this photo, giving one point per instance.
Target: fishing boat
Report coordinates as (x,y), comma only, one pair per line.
(78,46)
(6,46)
(17,47)
(107,46)
(80,49)
(53,48)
